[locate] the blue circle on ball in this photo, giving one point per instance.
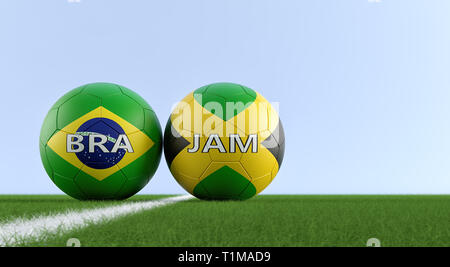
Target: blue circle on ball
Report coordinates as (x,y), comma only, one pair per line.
(100,159)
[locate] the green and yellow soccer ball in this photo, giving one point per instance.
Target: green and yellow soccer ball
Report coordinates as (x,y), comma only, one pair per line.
(224,141)
(101,141)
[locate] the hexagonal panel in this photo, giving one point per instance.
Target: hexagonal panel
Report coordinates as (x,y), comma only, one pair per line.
(187,182)
(102,89)
(261,183)
(258,164)
(76,107)
(68,186)
(59,165)
(131,187)
(136,97)
(191,164)
(126,108)
(68,96)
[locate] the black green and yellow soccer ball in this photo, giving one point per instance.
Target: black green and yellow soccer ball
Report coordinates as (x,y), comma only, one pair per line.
(224,141)
(101,141)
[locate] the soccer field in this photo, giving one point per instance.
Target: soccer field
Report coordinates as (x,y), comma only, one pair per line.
(268,220)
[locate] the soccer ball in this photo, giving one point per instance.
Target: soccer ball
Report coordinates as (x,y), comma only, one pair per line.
(224,141)
(101,141)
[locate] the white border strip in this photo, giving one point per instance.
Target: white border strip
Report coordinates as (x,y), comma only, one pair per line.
(19,231)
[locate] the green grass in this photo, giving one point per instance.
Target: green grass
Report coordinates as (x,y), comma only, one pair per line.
(279,221)
(27,206)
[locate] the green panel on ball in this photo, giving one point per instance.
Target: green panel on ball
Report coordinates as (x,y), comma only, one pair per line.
(249,192)
(49,126)
(131,187)
(68,96)
(222,93)
(76,107)
(224,183)
(95,189)
(201,193)
(126,108)
(68,186)
(152,127)
(45,162)
(102,89)
(63,174)
(59,165)
(135,97)
(144,166)
(249,91)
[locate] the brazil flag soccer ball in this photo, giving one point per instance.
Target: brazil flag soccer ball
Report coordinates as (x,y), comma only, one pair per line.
(224,141)
(101,141)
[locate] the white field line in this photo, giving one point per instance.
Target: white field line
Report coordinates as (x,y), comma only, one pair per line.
(19,231)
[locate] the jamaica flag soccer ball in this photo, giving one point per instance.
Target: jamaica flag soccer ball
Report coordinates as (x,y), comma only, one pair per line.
(101,141)
(224,141)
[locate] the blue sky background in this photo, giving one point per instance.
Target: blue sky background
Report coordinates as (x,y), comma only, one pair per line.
(364,87)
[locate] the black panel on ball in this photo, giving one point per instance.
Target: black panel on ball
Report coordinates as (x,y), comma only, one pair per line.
(275,143)
(174,143)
